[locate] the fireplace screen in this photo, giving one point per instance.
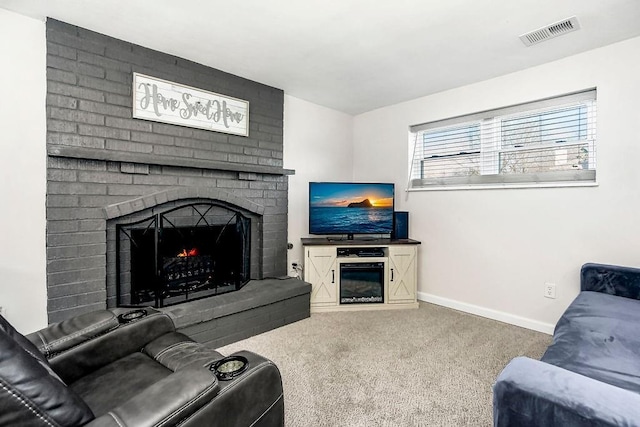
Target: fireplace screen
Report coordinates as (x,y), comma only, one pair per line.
(187,253)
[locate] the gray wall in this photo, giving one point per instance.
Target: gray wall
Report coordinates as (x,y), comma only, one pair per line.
(99,156)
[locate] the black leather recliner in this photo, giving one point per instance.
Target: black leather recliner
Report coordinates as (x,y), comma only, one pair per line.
(126,368)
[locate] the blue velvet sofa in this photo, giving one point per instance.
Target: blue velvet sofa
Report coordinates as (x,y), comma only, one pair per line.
(590,374)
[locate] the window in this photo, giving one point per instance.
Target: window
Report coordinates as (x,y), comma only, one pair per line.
(547,142)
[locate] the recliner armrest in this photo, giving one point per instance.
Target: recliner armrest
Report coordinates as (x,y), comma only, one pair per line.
(62,336)
(129,337)
(167,402)
(532,393)
(611,279)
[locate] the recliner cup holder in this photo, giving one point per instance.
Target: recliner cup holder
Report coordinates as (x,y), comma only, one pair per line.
(132,315)
(229,367)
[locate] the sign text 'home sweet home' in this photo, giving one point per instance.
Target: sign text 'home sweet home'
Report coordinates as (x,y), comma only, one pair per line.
(167,102)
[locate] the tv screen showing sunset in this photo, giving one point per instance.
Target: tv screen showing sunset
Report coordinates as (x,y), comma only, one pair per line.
(350,208)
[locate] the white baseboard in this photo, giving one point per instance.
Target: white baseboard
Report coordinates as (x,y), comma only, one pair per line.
(500,316)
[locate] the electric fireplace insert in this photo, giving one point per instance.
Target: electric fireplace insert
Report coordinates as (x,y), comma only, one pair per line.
(361,282)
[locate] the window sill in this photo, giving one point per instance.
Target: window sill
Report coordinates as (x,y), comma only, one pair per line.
(504,186)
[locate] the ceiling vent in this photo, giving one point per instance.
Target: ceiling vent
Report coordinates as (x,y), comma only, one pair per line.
(550,31)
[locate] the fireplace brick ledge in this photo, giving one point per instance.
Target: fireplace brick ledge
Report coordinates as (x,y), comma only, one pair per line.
(150,159)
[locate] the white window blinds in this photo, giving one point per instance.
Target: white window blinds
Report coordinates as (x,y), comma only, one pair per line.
(547,141)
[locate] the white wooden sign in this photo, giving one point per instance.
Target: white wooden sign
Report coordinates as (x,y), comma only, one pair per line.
(162,101)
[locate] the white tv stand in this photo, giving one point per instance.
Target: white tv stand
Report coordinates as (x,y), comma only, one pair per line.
(323,259)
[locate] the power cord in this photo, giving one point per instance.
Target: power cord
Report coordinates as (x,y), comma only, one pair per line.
(297,270)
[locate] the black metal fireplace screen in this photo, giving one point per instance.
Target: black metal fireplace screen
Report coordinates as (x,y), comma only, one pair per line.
(187,253)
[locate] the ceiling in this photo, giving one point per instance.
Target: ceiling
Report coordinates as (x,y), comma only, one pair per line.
(351,55)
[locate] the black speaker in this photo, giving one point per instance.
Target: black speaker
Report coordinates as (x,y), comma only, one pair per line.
(400,225)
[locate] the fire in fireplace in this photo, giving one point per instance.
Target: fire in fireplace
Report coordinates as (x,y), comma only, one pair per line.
(187,253)
(361,282)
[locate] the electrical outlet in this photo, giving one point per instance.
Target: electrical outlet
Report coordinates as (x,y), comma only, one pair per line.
(550,290)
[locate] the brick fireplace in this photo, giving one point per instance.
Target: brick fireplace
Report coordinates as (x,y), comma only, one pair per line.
(105,168)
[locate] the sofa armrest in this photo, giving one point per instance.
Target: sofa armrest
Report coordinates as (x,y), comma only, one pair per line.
(62,336)
(531,393)
(128,337)
(167,402)
(611,279)
(254,398)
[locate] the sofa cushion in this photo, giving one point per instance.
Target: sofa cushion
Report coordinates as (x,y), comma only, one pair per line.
(610,279)
(118,382)
(598,336)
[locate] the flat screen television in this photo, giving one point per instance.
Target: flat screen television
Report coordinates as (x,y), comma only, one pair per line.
(350,208)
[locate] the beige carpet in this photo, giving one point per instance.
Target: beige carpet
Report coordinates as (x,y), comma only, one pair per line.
(427,367)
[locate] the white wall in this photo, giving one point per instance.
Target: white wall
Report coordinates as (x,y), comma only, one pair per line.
(491,251)
(23,292)
(318,145)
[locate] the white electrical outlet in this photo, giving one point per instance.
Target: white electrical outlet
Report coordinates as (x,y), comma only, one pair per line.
(550,290)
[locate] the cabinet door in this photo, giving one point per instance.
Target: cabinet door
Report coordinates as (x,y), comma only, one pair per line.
(320,271)
(402,273)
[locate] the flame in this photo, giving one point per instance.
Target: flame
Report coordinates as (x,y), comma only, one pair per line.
(190,252)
